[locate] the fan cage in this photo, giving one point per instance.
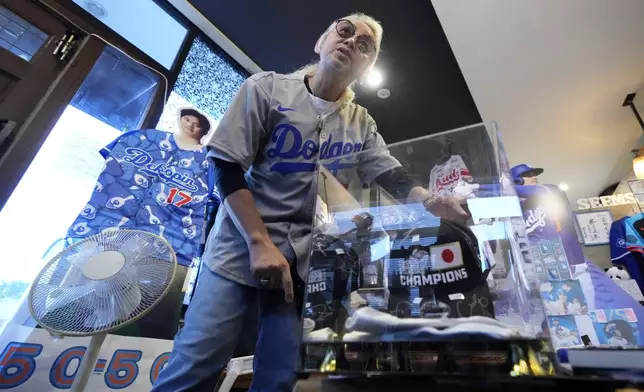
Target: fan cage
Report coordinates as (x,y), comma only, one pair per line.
(143,307)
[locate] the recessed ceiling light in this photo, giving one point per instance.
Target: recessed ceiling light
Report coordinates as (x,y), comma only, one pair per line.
(374,78)
(563,186)
(95,8)
(384,93)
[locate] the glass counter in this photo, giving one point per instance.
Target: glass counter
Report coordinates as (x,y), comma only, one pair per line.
(395,288)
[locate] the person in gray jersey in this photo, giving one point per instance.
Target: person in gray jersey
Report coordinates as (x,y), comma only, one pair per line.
(264,151)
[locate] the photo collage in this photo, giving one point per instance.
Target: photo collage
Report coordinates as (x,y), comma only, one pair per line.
(608,327)
(570,321)
(564,300)
(562,297)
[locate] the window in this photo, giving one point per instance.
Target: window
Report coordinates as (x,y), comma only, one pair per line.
(19,36)
(143,23)
(208,82)
(117,91)
(114,98)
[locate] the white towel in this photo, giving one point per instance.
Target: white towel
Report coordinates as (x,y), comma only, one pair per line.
(320,336)
(430,333)
(376,322)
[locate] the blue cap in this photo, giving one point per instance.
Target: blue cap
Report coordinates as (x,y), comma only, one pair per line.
(523,170)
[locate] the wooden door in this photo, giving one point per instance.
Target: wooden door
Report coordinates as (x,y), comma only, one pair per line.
(28,36)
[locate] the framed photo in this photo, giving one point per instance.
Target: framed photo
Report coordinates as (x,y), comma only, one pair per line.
(578,232)
(594,226)
(636,186)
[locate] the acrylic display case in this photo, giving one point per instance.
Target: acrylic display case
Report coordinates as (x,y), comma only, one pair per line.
(394,288)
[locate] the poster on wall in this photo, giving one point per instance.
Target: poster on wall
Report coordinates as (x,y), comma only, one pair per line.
(595,227)
(38,363)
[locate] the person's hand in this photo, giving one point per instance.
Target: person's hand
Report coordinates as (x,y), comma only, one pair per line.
(448,207)
(270,268)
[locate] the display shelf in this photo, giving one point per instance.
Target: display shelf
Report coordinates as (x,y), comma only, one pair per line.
(401,282)
(462,356)
(462,383)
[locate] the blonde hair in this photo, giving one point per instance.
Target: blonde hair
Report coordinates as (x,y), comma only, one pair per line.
(376,29)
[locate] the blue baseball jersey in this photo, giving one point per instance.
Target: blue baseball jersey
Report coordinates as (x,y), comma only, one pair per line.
(150,184)
(627,247)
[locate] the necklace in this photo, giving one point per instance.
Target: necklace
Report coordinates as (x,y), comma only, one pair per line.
(319,120)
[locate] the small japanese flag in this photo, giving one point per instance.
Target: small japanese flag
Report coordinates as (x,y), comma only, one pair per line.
(446,256)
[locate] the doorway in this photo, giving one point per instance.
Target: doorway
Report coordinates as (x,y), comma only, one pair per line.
(28,36)
(49,160)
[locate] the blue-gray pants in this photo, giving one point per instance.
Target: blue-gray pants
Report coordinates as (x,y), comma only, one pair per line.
(214,322)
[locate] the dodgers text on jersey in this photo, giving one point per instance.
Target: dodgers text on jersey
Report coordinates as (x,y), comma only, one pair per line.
(289,144)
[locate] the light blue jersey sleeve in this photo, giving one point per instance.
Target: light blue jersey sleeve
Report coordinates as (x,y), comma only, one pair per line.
(107,150)
(243,127)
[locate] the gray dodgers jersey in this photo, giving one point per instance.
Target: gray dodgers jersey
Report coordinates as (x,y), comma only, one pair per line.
(271,130)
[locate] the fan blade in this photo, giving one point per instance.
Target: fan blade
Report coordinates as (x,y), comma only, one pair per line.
(133,248)
(154,272)
(68,298)
(122,301)
(58,297)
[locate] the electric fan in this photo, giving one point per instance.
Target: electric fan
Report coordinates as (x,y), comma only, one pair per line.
(101,284)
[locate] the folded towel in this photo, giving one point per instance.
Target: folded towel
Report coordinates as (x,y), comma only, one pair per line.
(376,322)
(430,333)
(320,336)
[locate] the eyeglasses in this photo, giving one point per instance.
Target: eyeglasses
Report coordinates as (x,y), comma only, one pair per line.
(346,29)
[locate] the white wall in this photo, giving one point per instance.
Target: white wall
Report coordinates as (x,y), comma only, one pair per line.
(553,74)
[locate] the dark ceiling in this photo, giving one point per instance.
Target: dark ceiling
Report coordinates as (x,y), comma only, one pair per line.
(428,92)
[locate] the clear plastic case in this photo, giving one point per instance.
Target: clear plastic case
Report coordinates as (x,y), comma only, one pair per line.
(394,288)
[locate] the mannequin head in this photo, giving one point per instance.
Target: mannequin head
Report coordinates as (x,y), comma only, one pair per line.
(530,180)
(193,125)
(523,174)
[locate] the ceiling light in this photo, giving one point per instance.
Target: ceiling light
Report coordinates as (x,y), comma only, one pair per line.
(374,78)
(563,186)
(95,8)
(384,93)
